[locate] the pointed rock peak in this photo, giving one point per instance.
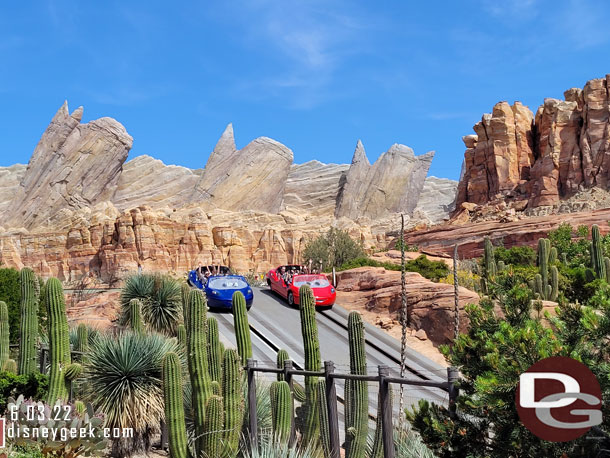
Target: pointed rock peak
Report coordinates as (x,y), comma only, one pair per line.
(62,113)
(78,113)
(360,154)
(403,150)
(226,143)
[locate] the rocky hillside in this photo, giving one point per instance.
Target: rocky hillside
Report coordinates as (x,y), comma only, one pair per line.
(537,160)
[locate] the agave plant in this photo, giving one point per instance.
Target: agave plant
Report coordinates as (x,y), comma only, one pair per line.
(407,443)
(161,301)
(123,380)
(270,447)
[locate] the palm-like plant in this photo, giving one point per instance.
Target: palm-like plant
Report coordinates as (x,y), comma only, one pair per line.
(123,380)
(161,301)
(270,447)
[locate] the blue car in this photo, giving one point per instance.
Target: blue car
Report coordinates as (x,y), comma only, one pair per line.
(219,289)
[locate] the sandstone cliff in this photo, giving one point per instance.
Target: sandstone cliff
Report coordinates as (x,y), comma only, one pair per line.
(391,185)
(10,177)
(531,161)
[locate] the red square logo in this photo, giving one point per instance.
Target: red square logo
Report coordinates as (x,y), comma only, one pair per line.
(2,432)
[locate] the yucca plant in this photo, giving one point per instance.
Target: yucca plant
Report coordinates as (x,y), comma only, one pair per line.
(270,447)
(123,380)
(161,299)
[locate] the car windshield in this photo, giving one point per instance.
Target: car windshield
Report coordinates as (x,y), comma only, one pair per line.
(312,280)
(227,283)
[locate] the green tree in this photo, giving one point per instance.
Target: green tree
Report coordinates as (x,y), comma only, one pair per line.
(490,358)
(332,249)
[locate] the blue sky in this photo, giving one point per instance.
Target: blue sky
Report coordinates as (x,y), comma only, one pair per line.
(316,75)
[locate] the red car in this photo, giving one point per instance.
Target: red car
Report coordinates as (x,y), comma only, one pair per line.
(322,289)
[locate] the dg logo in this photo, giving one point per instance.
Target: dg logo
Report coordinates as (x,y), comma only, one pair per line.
(559,399)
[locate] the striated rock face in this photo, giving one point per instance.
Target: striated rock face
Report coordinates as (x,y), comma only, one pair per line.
(440,239)
(437,199)
(541,159)
(313,187)
(252,178)
(430,305)
(392,184)
(107,244)
(73,166)
(10,177)
(148,181)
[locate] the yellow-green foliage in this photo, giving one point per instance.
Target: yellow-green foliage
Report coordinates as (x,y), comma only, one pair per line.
(466,278)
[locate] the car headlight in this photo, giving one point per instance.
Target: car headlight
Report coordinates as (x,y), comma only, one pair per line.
(332,290)
(249,291)
(214,292)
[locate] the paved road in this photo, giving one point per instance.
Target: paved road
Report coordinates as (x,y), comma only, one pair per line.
(280,324)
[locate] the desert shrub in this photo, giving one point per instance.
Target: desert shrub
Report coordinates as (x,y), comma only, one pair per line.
(466,278)
(432,270)
(33,386)
(332,249)
(516,256)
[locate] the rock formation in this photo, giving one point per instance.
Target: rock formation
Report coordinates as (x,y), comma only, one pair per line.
(430,304)
(534,161)
(252,178)
(10,177)
(391,185)
(437,199)
(148,181)
(73,166)
(312,188)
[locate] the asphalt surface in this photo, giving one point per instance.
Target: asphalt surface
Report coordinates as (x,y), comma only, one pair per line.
(271,317)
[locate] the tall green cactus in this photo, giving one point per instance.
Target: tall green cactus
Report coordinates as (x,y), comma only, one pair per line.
(214,350)
(543,263)
(540,289)
(597,253)
(29,322)
(4,334)
(607,264)
(196,351)
(323,415)
(233,400)
(281,404)
(174,405)
(359,403)
(135,315)
(59,342)
(282,355)
(552,255)
(181,335)
(242,328)
(82,338)
(554,283)
(313,361)
(488,259)
(212,442)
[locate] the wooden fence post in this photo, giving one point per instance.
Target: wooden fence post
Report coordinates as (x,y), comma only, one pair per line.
(288,379)
(252,402)
(331,405)
(387,426)
(452,377)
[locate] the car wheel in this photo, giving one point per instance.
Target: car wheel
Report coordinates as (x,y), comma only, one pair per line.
(290,299)
(269,283)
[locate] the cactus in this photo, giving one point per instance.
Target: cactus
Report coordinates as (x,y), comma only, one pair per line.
(564,259)
(489,263)
(59,343)
(483,285)
(233,400)
(282,355)
(311,345)
(273,402)
(597,257)
(29,322)
(215,388)
(10,366)
(73,371)
(212,442)
(281,410)
(135,315)
(359,401)
(80,407)
(323,414)
(543,263)
(181,335)
(500,266)
(539,285)
(607,265)
(196,350)
(185,291)
(552,255)
(82,338)
(242,328)
(174,405)
(4,334)
(554,283)
(214,350)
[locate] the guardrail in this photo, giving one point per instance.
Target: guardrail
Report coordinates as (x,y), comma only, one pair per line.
(330,376)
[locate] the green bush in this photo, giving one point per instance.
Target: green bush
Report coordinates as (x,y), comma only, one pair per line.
(432,270)
(10,293)
(516,256)
(332,249)
(33,386)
